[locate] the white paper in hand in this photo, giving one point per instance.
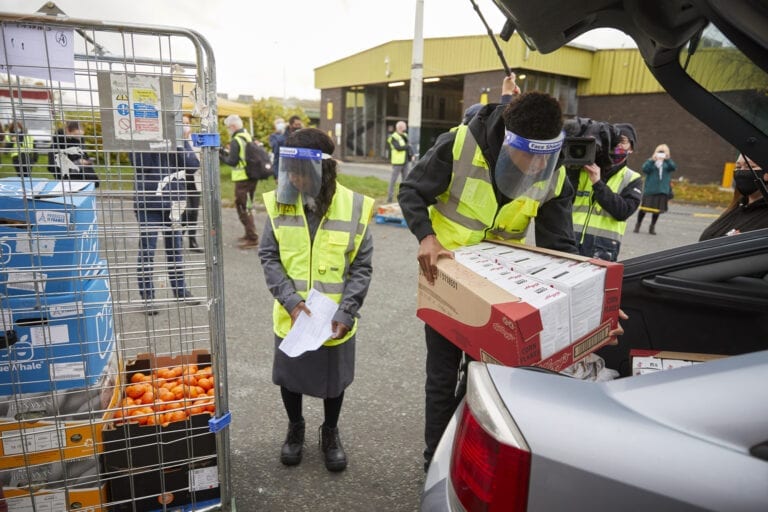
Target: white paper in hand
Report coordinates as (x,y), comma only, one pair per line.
(310,332)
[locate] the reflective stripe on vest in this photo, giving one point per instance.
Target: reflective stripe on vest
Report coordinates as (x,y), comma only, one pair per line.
(238,172)
(398,156)
(468,213)
(324,263)
(590,218)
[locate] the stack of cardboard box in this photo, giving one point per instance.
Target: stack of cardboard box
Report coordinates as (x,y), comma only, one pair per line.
(58,364)
(517,305)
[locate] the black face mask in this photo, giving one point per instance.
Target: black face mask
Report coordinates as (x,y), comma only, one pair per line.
(745,182)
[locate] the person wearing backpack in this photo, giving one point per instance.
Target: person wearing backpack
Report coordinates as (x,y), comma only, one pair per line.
(244,186)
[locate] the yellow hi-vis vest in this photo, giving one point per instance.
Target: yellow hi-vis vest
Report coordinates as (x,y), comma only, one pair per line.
(323,263)
(397,156)
(238,173)
(589,218)
(468,212)
(21,143)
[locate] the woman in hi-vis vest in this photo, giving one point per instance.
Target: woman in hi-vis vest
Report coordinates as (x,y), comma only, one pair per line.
(316,251)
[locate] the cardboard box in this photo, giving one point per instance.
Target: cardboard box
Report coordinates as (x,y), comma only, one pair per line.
(172,487)
(130,445)
(652,361)
(72,485)
(493,325)
(88,499)
(25,441)
(56,342)
(48,236)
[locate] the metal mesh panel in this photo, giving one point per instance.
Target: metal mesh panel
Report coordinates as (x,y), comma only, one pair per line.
(113,391)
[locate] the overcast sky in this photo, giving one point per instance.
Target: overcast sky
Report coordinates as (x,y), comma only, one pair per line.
(270,48)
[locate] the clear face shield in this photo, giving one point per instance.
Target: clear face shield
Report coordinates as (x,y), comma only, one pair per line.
(522,162)
(301,171)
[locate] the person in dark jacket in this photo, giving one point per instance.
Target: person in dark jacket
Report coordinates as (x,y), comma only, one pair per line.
(68,159)
(607,191)
(159,201)
(748,210)
(513,180)
(192,211)
(276,140)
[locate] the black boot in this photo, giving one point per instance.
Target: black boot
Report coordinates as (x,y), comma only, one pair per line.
(652,229)
(330,445)
(193,245)
(637,228)
(290,455)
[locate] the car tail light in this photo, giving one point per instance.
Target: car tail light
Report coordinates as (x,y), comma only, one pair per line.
(491,462)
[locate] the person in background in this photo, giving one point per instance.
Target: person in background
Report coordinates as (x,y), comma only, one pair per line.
(68,160)
(159,200)
(309,212)
(658,171)
(400,154)
(22,146)
(510,152)
(748,209)
(294,124)
(607,192)
(276,140)
(192,180)
(244,187)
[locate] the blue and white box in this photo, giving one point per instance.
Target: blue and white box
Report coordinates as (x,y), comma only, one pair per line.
(48,235)
(55,342)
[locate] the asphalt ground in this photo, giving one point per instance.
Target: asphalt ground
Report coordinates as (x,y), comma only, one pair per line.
(382,417)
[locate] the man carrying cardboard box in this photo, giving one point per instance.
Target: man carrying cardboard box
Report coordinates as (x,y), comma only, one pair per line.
(486,180)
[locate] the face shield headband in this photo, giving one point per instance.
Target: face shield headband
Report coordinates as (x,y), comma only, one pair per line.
(301,171)
(523,162)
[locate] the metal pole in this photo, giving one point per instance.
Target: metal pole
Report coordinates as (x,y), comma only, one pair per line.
(417,75)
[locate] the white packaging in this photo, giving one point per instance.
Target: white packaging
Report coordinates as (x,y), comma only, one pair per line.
(552,305)
(584,284)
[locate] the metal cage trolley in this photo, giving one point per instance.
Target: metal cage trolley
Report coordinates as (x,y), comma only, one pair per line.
(113,391)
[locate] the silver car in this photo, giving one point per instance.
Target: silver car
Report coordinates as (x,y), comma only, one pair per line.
(693,438)
(688,439)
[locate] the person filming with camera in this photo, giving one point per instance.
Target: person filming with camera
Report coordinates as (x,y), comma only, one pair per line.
(607,191)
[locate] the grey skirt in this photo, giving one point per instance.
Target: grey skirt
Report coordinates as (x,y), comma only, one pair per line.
(657,202)
(322,373)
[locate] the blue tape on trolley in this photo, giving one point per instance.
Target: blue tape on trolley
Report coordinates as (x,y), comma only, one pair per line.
(216,424)
(206,140)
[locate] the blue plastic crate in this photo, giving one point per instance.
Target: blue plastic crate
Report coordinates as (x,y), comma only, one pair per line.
(397,221)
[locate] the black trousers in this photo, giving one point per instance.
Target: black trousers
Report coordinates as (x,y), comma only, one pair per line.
(191,213)
(443,361)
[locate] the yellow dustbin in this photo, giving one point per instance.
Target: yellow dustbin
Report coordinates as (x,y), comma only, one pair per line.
(728,169)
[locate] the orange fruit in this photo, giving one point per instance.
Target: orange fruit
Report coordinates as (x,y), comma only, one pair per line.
(137,377)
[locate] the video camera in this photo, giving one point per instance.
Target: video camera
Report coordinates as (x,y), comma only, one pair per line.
(578,151)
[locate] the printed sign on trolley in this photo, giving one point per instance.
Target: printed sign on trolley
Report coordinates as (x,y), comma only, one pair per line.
(137,111)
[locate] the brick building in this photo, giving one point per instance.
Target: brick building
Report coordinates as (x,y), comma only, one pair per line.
(365,94)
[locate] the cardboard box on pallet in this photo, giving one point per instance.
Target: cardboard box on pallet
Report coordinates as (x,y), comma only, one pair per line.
(494,324)
(652,361)
(48,235)
(62,426)
(130,445)
(72,485)
(167,488)
(56,341)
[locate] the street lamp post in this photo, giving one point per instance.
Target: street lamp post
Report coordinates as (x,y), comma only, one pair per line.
(417,75)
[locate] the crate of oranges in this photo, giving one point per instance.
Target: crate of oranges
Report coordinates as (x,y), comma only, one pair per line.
(163,413)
